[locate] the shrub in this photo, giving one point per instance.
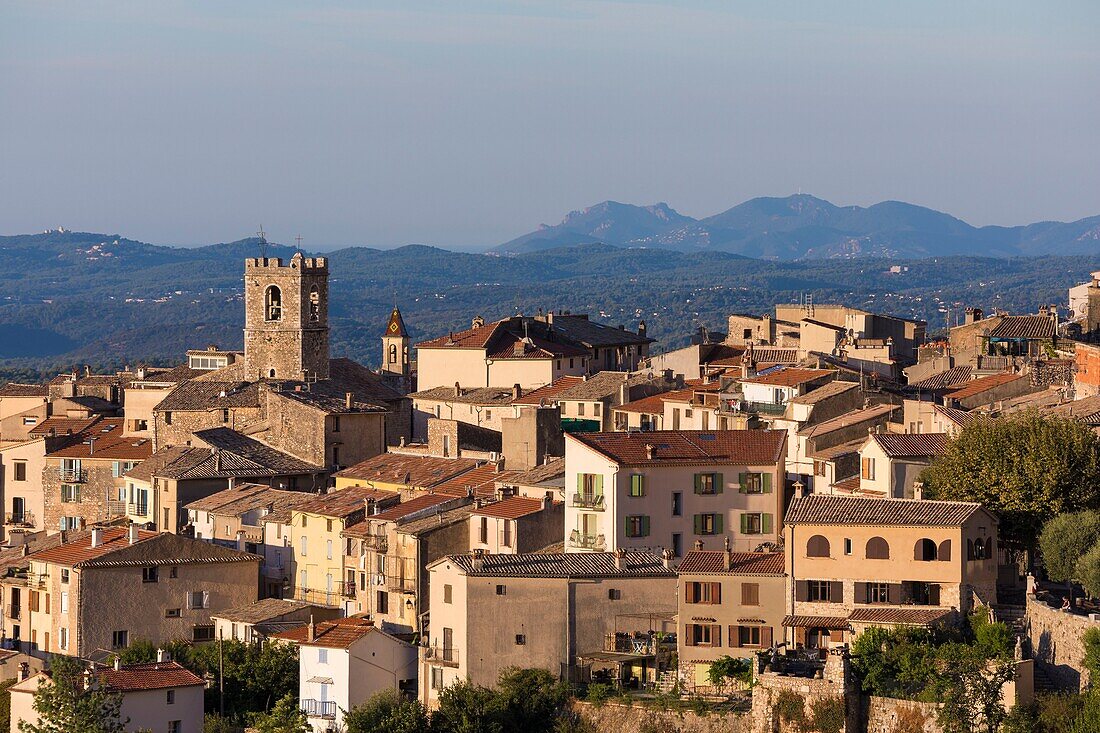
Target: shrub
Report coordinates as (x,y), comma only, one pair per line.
(828,714)
(790,707)
(1091,639)
(599,693)
(729,668)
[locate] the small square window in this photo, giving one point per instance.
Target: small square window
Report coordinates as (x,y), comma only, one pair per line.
(173,613)
(614,594)
(502,590)
(521,639)
(170,697)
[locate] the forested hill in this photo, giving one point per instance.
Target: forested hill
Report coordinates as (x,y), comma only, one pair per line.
(71,298)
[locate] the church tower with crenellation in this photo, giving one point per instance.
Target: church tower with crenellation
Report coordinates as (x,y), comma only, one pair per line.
(286,318)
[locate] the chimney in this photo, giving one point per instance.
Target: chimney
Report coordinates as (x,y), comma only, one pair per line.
(163,656)
(240,540)
(347,400)
(91,446)
(87,370)
(132,534)
(97,536)
(369,506)
(477,560)
(698,545)
(666,558)
(650,450)
(118,663)
(641,328)
(548,500)
(24,670)
(918,490)
(458,389)
(620,556)
(517,391)
(799,489)
(311,630)
(727,555)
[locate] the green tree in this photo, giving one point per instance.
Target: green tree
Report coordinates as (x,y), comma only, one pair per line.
(468,708)
(1025,468)
(1065,539)
(285,717)
(971,689)
(387,712)
(256,675)
(531,699)
(1088,571)
(66,704)
(726,668)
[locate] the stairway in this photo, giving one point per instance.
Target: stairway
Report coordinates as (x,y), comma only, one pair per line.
(1043,683)
(667,681)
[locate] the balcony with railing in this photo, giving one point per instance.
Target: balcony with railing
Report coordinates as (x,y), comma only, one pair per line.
(445,655)
(116,508)
(72,475)
(400,584)
(319,708)
(137,509)
(593,502)
(753,408)
(252,533)
(19,519)
(582,541)
(15,611)
(322,597)
(376,542)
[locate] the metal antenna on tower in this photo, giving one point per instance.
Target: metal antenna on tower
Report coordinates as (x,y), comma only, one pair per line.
(263,242)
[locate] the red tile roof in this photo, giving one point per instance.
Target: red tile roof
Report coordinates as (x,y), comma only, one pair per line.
(791,377)
(833,623)
(415,504)
(903,616)
(346,501)
(152,548)
(977,386)
(688,447)
(62,425)
(471,338)
(513,507)
(911,445)
(741,563)
(412,470)
(481,479)
(150,676)
(109,443)
(860,511)
(548,392)
(337,634)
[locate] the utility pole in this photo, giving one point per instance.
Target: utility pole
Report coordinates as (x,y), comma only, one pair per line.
(221,675)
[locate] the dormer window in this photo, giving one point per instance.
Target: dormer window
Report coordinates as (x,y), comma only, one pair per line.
(273,304)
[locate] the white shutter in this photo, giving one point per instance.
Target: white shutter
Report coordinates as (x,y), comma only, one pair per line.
(205,599)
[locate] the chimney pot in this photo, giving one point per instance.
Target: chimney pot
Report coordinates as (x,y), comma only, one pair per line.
(458,389)
(347,400)
(311,630)
(517,391)
(620,556)
(650,451)
(118,663)
(162,656)
(666,558)
(97,536)
(132,534)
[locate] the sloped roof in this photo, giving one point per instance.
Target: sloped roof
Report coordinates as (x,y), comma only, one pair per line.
(149,676)
(15,389)
(262,610)
(494,396)
(412,506)
(548,392)
(977,386)
(152,548)
(543,474)
(943,380)
(741,563)
(250,450)
(108,442)
(345,501)
(841,449)
(824,392)
(1025,327)
(513,507)
(899,616)
(396,325)
(832,623)
(482,480)
(688,447)
(912,445)
(1086,410)
(861,511)
(230,455)
(634,563)
(335,634)
(199,395)
(848,419)
(63,425)
(412,470)
(235,501)
(789,377)
(962,418)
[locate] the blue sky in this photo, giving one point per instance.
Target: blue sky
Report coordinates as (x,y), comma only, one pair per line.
(466,123)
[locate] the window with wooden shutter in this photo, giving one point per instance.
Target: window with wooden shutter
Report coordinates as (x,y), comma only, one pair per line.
(715,593)
(766,523)
(868,469)
(802,590)
(766,636)
(836,636)
(715,635)
(750,594)
(836,593)
(734,636)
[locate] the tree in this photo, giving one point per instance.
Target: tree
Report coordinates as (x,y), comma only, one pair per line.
(1065,539)
(1088,571)
(971,689)
(1024,467)
(467,708)
(532,699)
(66,703)
(285,717)
(387,712)
(256,675)
(727,668)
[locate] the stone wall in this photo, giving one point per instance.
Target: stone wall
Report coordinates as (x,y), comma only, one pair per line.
(835,682)
(886,715)
(615,718)
(1056,643)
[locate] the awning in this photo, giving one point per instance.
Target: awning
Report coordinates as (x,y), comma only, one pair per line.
(602,656)
(320,680)
(832,623)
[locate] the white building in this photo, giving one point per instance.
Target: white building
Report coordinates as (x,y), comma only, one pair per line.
(344,662)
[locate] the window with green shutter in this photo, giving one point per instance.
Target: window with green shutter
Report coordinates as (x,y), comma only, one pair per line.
(637,525)
(637,485)
(755,483)
(708,524)
(708,483)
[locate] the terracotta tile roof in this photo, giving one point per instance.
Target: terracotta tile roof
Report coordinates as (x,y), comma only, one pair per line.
(63,425)
(175,375)
(262,610)
(977,386)
(548,392)
(944,379)
(790,377)
(336,634)
(109,443)
(412,506)
(832,623)
(471,338)
(342,503)
(843,449)
(688,447)
(902,616)
(249,450)
(481,479)
(229,455)
(653,405)
(824,392)
(741,563)
(912,445)
(149,676)
(774,355)
(200,395)
(369,392)
(962,418)
(592,333)
(513,507)
(495,396)
(860,511)
(876,413)
(243,498)
(411,470)
(1025,327)
(635,563)
(516,346)
(602,385)
(151,548)
(430,522)
(15,389)
(850,485)
(549,472)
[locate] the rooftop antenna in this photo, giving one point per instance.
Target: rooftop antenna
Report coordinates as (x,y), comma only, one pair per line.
(263,241)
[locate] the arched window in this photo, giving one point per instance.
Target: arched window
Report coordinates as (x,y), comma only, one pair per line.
(273,304)
(878,549)
(314,304)
(973,549)
(818,546)
(944,552)
(925,550)
(393,353)
(271,373)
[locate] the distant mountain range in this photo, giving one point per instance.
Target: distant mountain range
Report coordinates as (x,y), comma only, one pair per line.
(804,227)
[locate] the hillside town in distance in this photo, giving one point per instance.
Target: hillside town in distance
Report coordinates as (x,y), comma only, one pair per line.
(750,527)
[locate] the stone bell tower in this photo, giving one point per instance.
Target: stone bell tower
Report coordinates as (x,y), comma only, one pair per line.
(395,349)
(286,318)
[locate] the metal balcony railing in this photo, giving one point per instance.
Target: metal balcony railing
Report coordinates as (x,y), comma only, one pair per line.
(399,584)
(319,708)
(137,510)
(72,475)
(588,501)
(15,611)
(587,541)
(445,655)
(376,542)
(19,519)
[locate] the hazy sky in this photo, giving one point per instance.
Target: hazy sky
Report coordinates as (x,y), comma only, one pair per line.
(464,123)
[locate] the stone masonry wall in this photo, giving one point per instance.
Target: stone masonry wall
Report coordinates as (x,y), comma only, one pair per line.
(886,715)
(1056,643)
(615,718)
